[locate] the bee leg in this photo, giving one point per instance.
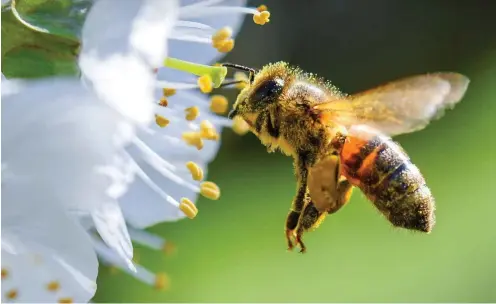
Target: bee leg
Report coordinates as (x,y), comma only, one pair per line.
(311,217)
(299,200)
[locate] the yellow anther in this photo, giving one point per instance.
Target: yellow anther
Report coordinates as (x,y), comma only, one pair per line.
(162,281)
(222,41)
(113,269)
(168,92)
(240,126)
(53,286)
(261,18)
(207,131)
(195,170)
(192,113)
(226,46)
(217,64)
(210,190)
(262,8)
(163,102)
(218,104)
(188,208)
(169,248)
(244,81)
(222,34)
(66,300)
(193,139)
(5,273)
(11,294)
(161,121)
(205,83)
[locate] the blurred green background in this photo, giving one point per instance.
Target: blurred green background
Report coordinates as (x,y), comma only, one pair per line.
(235,250)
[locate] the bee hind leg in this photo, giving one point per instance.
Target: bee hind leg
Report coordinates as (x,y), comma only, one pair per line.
(301,197)
(311,217)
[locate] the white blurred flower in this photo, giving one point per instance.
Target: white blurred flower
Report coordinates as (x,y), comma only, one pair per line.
(89,148)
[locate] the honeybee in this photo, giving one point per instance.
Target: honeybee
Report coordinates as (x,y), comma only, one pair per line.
(341,141)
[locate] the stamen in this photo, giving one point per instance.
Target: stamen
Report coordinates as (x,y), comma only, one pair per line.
(5,273)
(192,24)
(226,46)
(244,80)
(162,281)
(163,102)
(200,4)
(113,269)
(162,166)
(262,8)
(216,74)
(109,257)
(11,294)
(207,131)
(222,41)
(192,113)
(188,208)
(210,190)
(148,181)
(261,17)
(66,300)
(240,126)
(219,104)
(193,139)
(215,10)
(145,238)
(205,83)
(161,121)
(222,34)
(168,92)
(195,170)
(169,248)
(53,286)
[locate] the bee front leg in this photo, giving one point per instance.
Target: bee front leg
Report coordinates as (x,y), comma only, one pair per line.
(299,200)
(311,217)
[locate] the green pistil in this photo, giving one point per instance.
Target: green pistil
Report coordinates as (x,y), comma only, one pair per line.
(217,73)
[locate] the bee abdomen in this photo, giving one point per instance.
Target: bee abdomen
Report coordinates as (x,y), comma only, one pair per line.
(404,198)
(385,174)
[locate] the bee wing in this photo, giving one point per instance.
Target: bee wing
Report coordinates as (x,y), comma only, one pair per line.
(398,107)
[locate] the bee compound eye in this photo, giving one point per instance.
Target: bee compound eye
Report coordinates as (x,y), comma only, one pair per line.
(269,90)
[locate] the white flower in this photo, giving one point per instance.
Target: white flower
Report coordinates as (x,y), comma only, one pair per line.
(86,147)
(63,148)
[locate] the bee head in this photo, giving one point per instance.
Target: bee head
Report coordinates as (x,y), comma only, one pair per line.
(258,96)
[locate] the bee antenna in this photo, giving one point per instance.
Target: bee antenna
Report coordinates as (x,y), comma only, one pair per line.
(242,68)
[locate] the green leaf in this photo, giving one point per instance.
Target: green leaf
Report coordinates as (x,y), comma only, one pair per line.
(62,18)
(41,37)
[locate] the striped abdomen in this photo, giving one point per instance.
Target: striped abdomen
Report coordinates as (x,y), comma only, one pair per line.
(385,174)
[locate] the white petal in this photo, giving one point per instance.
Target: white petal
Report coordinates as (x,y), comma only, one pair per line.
(29,275)
(120,47)
(111,226)
(59,142)
(33,223)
